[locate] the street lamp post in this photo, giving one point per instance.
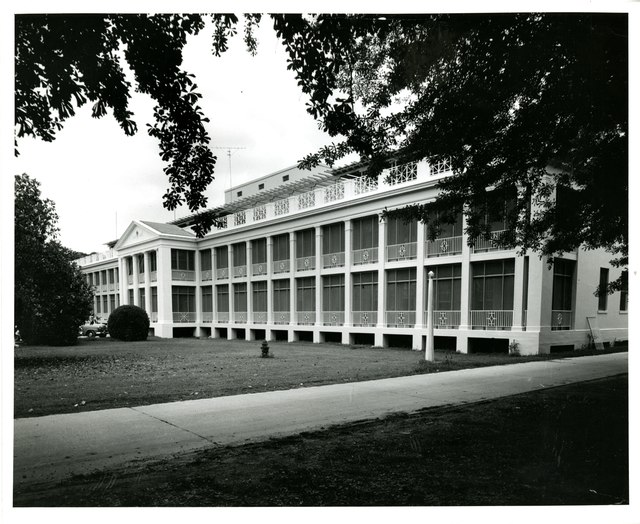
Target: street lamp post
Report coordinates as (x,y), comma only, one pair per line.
(429,352)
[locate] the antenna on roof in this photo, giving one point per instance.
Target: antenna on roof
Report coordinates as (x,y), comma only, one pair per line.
(229,149)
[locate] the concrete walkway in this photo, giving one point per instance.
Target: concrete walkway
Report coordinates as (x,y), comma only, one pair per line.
(51,448)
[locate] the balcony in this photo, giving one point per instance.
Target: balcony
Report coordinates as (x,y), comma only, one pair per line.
(207,317)
(239,271)
(281,317)
(399,252)
(401,319)
(182,317)
(259,317)
(443,247)
(281,266)
(368,255)
(205,275)
(333,260)
(561,319)
(240,317)
(332,318)
(491,319)
(443,319)
(183,275)
(306,318)
(364,318)
(307,263)
(222,317)
(259,269)
(222,273)
(493,243)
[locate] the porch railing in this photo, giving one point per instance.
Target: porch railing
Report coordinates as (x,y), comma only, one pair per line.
(333,318)
(493,243)
(239,271)
(443,319)
(180,317)
(367,255)
(281,317)
(222,317)
(306,263)
(259,317)
(259,269)
(222,273)
(561,319)
(491,319)
(364,318)
(281,266)
(401,319)
(205,275)
(305,318)
(333,260)
(406,251)
(207,316)
(183,274)
(441,247)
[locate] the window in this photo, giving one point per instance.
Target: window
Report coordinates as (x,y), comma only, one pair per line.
(98,305)
(205,260)
(285,178)
(110,276)
(447,281)
(182,260)
(624,292)
(259,251)
(365,292)
(498,206)
(153,261)
(239,193)
(562,285)
(183,299)
(446,230)
(207,299)
(131,297)
(112,302)
(492,285)
(222,298)
(154,299)
(602,289)
(103,277)
(333,293)
(365,232)
(105,304)
(141,298)
(399,232)
(281,294)
(222,257)
(239,254)
(260,187)
(281,247)
(333,238)
(401,289)
(259,296)
(306,294)
(117,276)
(240,298)
(305,243)
(129,267)
(140,263)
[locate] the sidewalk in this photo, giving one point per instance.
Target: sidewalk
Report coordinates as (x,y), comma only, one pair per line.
(51,448)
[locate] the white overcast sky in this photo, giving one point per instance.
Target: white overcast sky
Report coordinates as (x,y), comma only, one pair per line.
(99,178)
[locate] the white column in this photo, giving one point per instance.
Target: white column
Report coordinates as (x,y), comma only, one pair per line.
(198,292)
(165,314)
(249,259)
(518,293)
(136,281)
(269,283)
(382,257)
(348,321)
(318,257)
(292,283)
(420,281)
(430,350)
(147,284)
(465,280)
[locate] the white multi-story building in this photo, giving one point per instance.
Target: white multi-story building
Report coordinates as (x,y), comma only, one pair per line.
(305,256)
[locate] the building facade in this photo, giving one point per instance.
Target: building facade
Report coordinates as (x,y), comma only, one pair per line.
(309,258)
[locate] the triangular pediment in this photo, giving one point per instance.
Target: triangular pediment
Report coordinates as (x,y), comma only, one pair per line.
(136,233)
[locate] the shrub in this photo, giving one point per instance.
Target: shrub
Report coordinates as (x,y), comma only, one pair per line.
(128,323)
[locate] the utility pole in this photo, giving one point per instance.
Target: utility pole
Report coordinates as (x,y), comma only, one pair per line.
(228,150)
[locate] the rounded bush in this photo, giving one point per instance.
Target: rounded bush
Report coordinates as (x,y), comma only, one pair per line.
(128,323)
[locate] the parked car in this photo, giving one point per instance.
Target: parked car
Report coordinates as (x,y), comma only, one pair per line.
(93,328)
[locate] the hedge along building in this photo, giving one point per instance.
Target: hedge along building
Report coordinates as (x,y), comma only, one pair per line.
(306,256)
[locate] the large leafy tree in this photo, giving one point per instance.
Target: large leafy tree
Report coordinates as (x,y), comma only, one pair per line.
(518,103)
(51,296)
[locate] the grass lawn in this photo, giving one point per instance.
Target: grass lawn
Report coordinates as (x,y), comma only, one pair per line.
(106,373)
(564,445)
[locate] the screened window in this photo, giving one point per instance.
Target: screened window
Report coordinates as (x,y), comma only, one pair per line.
(222,257)
(259,296)
(129,267)
(183,299)
(222,298)
(240,298)
(602,289)
(207,299)
(365,292)
(562,284)
(103,277)
(492,287)
(110,275)
(153,261)
(281,247)
(333,238)
(446,230)
(205,260)
(98,305)
(305,243)
(259,251)
(140,263)
(499,204)
(399,232)
(281,295)
(131,297)
(239,254)
(141,298)
(154,299)
(112,302)
(182,260)
(447,282)
(333,293)
(306,294)
(401,289)
(365,232)
(117,276)
(624,292)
